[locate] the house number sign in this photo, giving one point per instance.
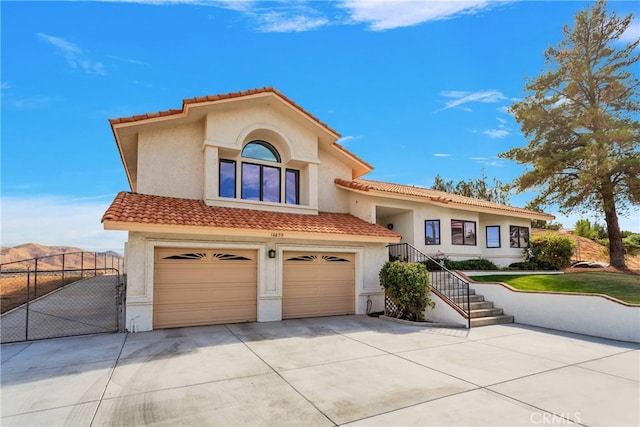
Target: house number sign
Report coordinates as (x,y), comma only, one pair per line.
(277,235)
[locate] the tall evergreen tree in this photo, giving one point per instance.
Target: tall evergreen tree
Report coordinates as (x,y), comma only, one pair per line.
(581,120)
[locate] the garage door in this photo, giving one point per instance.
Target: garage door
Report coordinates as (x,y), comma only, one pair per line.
(318,284)
(203,287)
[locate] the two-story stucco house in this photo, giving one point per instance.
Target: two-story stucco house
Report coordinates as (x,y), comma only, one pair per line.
(243,207)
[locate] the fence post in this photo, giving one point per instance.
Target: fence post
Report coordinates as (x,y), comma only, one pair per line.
(35,280)
(81,265)
(62,269)
(95,264)
(26,321)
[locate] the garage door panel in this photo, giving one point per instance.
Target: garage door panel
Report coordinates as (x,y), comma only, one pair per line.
(193,294)
(304,308)
(318,284)
(320,288)
(201,315)
(206,276)
(204,287)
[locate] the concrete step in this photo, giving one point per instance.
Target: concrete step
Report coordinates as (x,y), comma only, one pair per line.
(482,304)
(486,312)
(457,291)
(457,294)
(493,320)
(472,299)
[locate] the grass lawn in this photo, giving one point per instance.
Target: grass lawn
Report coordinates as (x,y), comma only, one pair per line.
(621,286)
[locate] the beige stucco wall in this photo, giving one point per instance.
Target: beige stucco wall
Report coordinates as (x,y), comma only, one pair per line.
(140,249)
(330,197)
(230,129)
(409,222)
(170,161)
(183,160)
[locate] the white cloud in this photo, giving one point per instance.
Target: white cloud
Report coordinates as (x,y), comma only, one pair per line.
(485,161)
(277,22)
(58,220)
(34,103)
(345,139)
(74,56)
(496,133)
(442,155)
(458,98)
(388,14)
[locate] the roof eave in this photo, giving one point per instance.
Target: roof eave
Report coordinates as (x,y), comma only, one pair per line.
(243,232)
(451,203)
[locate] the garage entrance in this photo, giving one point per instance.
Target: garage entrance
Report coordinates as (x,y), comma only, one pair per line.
(318,284)
(204,287)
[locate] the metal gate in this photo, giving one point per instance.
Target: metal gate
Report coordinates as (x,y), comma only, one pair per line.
(60,303)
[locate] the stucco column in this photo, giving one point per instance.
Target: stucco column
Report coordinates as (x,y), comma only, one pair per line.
(312,190)
(211,165)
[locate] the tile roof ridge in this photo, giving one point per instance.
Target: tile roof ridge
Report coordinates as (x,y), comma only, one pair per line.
(219,97)
(452,197)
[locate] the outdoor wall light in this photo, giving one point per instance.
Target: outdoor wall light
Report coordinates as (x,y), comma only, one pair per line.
(272,253)
(390,226)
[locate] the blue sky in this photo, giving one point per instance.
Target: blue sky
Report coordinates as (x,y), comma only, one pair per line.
(415,88)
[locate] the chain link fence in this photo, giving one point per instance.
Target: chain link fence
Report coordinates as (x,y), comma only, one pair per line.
(61,295)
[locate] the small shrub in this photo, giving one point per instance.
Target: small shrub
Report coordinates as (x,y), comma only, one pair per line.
(523,266)
(471,264)
(407,285)
(631,245)
(549,251)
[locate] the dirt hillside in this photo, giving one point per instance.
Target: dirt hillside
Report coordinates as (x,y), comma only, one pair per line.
(34,250)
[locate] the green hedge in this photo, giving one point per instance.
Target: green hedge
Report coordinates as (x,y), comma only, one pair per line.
(471,264)
(549,251)
(407,285)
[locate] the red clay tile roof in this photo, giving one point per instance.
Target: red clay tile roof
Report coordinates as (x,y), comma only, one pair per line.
(145,209)
(211,98)
(366,185)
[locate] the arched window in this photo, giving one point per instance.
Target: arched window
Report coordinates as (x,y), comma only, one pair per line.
(261,150)
(261,178)
(260,181)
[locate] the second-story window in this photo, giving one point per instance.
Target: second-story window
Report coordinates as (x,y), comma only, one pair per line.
(260,176)
(261,180)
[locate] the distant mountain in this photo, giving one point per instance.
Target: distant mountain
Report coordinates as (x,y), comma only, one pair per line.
(50,257)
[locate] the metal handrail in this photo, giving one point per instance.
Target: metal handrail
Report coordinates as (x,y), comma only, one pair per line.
(448,285)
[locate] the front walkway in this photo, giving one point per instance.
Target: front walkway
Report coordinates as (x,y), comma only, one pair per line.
(351,370)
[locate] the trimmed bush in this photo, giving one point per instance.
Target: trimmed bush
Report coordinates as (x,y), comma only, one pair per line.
(471,264)
(523,266)
(549,251)
(407,285)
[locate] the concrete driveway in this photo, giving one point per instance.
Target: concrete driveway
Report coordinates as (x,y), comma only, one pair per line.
(348,370)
